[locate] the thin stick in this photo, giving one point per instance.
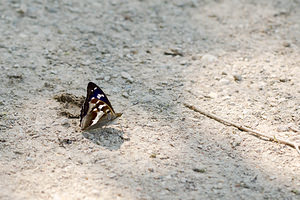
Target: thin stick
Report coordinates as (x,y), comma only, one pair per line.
(243,128)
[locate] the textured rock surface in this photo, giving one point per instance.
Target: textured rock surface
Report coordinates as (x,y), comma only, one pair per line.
(237,59)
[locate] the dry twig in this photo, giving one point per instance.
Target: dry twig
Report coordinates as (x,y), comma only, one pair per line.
(243,128)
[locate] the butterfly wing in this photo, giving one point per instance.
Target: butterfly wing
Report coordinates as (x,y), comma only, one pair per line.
(96,110)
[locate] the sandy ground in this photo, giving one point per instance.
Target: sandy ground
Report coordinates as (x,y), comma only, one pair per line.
(237,59)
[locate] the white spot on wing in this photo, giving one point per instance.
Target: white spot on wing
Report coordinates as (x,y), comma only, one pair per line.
(99,115)
(100,107)
(100,95)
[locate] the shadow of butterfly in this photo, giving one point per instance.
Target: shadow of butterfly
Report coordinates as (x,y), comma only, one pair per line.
(96,110)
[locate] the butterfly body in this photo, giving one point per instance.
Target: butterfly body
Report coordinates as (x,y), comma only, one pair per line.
(96,110)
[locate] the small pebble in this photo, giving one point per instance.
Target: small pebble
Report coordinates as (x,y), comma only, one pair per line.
(114,75)
(212,95)
(111,175)
(286,44)
(194,57)
(283,80)
(183,62)
(115,90)
(153,155)
(22,10)
(127,76)
(150,169)
(29,159)
(65,122)
(237,78)
(199,170)
(237,140)
(100,77)
(219,186)
(125,94)
(95,192)
(107,78)
(283,128)
(207,59)
(224,81)
(53,72)
(86,62)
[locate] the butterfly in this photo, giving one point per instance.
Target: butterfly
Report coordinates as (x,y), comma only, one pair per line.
(96,110)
